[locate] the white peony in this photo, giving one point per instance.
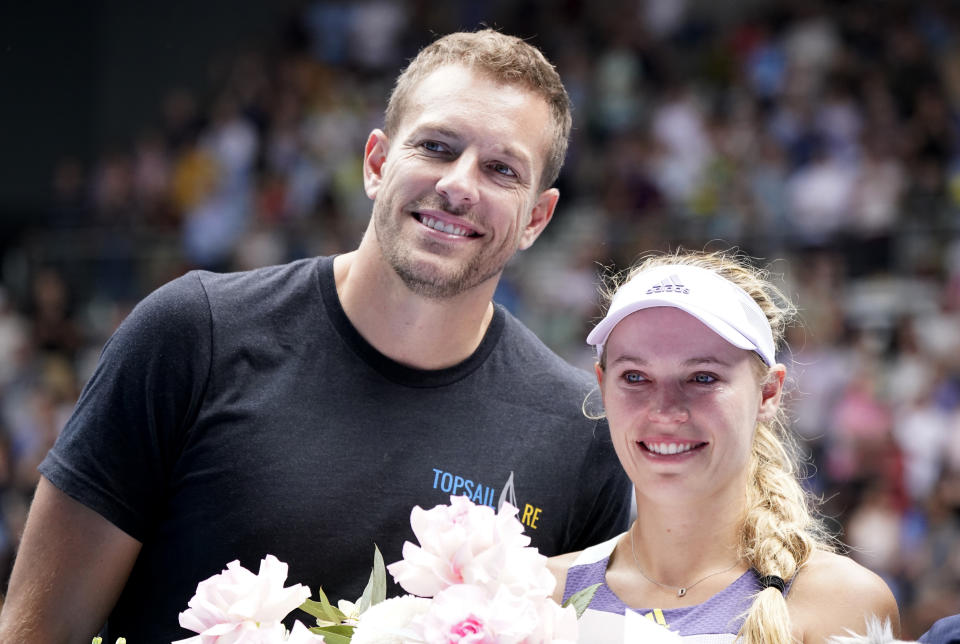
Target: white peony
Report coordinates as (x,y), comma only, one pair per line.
(239,606)
(557,625)
(300,634)
(877,633)
(388,621)
(464,543)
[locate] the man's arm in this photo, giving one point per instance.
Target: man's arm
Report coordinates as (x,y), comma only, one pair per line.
(70,568)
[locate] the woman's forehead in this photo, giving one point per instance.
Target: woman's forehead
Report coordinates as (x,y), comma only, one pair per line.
(664,330)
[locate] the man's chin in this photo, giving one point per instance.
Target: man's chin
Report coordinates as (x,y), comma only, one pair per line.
(430,283)
(429,280)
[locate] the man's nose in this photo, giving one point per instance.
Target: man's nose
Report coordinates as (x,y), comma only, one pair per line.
(459,181)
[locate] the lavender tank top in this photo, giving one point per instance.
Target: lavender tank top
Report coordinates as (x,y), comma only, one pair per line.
(715,621)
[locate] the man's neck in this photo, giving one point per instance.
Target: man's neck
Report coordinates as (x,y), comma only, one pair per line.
(417,331)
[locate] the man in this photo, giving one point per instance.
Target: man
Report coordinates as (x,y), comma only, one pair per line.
(303,410)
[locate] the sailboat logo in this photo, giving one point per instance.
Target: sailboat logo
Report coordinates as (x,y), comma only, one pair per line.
(508,494)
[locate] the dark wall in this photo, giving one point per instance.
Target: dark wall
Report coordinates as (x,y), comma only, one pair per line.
(79,77)
(48,82)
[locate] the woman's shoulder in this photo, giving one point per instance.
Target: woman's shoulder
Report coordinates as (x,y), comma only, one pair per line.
(831,574)
(832,593)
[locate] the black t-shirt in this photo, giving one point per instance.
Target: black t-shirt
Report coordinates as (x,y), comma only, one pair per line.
(237,415)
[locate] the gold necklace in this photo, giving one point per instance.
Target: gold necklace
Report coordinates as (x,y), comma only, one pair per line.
(681,590)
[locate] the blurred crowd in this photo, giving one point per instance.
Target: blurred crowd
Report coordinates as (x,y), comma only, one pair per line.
(820,137)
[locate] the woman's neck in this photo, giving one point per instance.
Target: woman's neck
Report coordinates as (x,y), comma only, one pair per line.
(676,545)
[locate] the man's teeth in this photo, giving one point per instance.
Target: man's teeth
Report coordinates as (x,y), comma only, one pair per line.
(436,224)
(669,448)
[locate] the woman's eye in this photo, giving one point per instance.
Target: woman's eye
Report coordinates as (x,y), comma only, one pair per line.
(704,379)
(632,377)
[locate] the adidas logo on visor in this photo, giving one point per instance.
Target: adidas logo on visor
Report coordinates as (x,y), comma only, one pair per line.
(670,285)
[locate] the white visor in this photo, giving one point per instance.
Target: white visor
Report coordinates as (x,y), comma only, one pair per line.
(720,304)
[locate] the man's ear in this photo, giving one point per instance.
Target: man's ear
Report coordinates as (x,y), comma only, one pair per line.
(771,392)
(540,216)
(374,158)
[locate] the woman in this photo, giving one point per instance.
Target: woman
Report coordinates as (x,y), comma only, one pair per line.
(725,544)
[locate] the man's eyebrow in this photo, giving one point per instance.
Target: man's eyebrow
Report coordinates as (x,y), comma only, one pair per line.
(435,128)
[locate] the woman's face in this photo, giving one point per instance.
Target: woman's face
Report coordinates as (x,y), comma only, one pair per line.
(682,404)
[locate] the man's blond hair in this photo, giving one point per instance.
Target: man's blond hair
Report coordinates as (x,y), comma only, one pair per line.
(506,59)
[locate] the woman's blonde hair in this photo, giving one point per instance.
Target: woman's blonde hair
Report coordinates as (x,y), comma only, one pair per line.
(778,533)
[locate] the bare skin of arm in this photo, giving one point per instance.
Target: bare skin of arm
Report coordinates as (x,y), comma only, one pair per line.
(69,571)
(833,593)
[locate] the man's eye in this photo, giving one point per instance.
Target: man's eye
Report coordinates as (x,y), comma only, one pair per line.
(704,379)
(433,146)
(503,169)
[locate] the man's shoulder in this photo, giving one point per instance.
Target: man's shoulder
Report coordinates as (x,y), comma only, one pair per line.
(531,376)
(263,280)
(527,348)
(198,298)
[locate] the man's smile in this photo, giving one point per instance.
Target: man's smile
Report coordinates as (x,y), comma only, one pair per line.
(436,222)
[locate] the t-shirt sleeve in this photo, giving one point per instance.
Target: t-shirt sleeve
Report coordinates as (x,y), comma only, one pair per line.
(116,452)
(602,507)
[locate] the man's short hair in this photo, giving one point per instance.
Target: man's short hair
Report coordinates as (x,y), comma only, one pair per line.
(507,59)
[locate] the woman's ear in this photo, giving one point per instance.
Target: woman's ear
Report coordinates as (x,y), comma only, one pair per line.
(771,392)
(599,371)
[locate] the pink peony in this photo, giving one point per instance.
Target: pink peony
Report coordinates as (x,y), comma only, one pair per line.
(239,606)
(464,543)
(468,613)
(458,614)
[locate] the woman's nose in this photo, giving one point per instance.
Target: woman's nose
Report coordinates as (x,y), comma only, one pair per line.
(668,407)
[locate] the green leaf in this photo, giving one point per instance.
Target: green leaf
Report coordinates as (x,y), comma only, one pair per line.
(581,599)
(334,634)
(323,609)
(97,640)
(376,590)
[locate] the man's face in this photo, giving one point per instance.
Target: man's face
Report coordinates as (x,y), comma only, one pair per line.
(456,188)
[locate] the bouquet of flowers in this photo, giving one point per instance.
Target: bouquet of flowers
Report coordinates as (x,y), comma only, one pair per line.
(473,578)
